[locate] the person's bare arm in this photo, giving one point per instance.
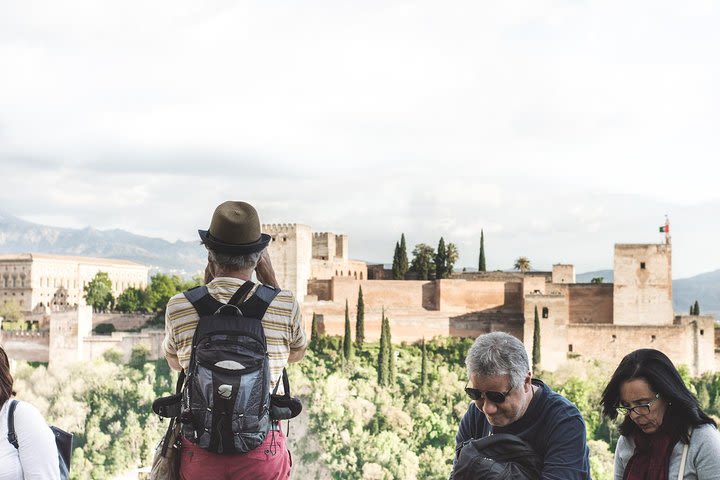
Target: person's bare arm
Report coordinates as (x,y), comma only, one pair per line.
(297,354)
(265,272)
(173,362)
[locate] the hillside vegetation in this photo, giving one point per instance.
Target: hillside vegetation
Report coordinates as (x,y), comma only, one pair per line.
(355,428)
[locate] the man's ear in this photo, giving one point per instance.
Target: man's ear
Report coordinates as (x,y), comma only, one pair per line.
(528,380)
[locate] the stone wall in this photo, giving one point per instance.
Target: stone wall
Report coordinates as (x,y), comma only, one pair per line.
(682,342)
(96,345)
(463,296)
(642,285)
(320,289)
(553,318)
(562,273)
(29,346)
(590,303)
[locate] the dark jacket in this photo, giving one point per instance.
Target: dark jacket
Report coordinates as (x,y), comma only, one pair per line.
(551,425)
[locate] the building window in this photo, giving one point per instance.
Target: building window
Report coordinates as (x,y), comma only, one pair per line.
(614,337)
(642,265)
(570,348)
(702,332)
(545,312)
(652,338)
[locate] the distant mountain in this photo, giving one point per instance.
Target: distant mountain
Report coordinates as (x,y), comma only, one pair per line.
(705,288)
(183,258)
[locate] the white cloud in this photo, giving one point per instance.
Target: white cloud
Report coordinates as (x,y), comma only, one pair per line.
(557,127)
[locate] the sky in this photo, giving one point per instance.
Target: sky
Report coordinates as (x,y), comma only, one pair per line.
(558,128)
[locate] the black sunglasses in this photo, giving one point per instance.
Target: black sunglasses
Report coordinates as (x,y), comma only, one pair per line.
(495,397)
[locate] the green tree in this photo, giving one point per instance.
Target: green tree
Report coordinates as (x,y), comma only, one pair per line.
(597,280)
(422,262)
(481,260)
(392,372)
(522,264)
(98,292)
(347,340)
(396,269)
(440,260)
(360,320)
(314,333)
(162,287)
(382,363)
(696,308)
(451,256)
(423,365)
(10,312)
(403,256)
(131,300)
(536,341)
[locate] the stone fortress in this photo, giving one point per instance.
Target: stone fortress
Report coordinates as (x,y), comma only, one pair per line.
(587,320)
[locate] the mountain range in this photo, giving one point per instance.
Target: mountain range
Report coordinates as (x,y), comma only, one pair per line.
(186,259)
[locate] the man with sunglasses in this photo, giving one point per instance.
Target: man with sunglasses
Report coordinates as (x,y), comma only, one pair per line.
(506,399)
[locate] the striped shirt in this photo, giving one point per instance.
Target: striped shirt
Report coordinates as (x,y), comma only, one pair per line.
(282,324)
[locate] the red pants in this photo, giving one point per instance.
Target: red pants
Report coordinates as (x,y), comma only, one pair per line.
(259,464)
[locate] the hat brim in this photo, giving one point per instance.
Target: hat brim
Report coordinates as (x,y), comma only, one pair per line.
(222,247)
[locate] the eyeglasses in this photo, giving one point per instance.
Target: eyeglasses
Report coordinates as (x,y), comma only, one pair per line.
(495,397)
(638,409)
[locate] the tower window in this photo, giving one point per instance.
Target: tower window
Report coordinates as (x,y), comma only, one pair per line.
(652,338)
(545,312)
(642,265)
(570,347)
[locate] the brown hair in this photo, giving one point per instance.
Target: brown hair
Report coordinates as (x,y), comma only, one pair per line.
(6,380)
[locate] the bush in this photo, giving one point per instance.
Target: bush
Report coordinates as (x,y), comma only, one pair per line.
(104,328)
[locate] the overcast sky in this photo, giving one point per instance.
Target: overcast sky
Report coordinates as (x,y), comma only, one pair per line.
(558,127)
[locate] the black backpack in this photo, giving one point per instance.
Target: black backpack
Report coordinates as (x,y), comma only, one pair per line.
(500,456)
(63,441)
(226,398)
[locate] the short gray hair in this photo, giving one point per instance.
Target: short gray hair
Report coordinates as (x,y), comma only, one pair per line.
(247,261)
(498,353)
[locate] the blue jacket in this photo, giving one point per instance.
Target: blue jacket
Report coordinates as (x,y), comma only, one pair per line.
(551,425)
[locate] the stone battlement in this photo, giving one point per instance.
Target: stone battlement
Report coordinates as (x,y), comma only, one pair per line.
(275,228)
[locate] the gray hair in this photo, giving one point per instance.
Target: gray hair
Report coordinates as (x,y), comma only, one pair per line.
(247,261)
(498,353)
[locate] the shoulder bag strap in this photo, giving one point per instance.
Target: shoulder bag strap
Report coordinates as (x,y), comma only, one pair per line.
(686,447)
(12,438)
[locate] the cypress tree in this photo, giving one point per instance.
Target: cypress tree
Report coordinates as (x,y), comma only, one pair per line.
(314,333)
(347,341)
(481,262)
(360,320)
(536,341)
(423,365)
(396,267)
(692,309)
(403,256)
(382,354)
(696,308)
(440,260)
(390,353)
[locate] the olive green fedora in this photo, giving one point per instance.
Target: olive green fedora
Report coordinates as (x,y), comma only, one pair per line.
(234,229)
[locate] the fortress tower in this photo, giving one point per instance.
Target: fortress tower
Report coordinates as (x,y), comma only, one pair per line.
(290,251)
(642,293)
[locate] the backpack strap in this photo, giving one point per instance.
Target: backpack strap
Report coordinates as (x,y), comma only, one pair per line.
(203,302)
(258,303)
(11,436)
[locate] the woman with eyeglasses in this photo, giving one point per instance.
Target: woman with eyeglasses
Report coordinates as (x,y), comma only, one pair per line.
(664,434)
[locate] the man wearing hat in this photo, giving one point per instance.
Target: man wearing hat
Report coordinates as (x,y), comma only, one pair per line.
(236,249)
